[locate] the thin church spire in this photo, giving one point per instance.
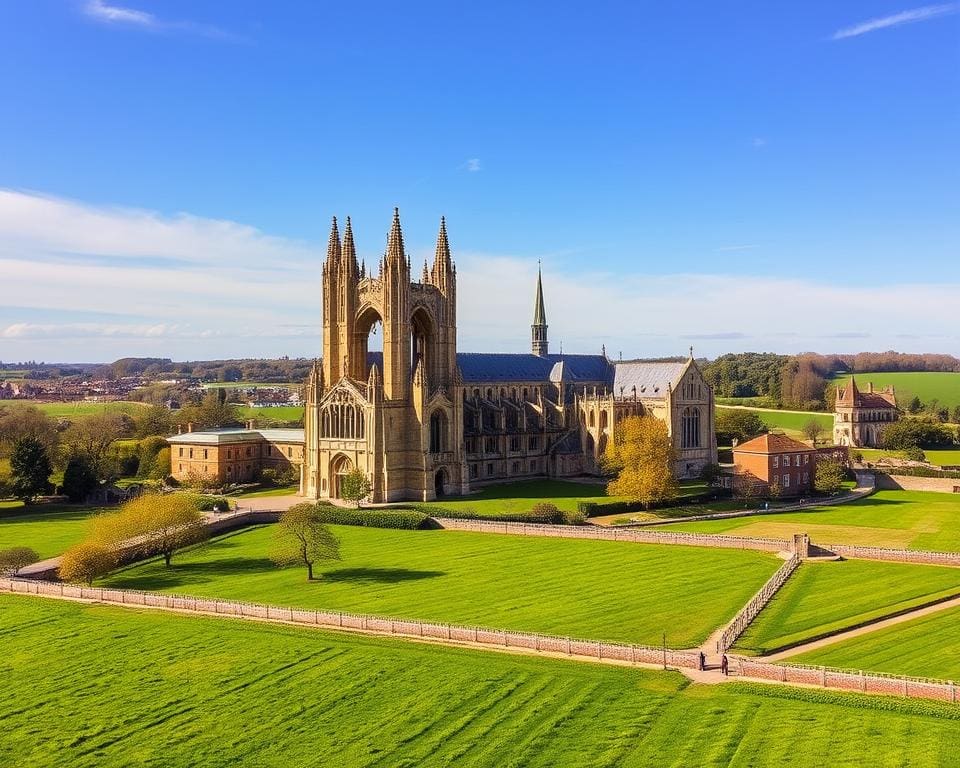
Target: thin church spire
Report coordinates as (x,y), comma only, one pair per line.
(538,330)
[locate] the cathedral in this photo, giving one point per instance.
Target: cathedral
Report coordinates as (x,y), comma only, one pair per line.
(425,421)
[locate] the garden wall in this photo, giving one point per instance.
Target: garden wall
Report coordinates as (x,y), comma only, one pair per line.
(908,483)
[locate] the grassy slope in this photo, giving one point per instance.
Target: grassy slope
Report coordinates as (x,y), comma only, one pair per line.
(911,519)
(945,387)
(925,647)
(281,413)
(134,688)
(940,457)
(792,423)
(48,529)
(591,589)
(823,597)
(79,409)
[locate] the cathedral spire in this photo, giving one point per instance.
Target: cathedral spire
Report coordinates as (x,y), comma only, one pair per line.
(395,251)
(442,261)
(348,250)
(539,327)
(333,246)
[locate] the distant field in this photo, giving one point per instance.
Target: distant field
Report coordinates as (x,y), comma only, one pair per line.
(945,387)
(282,413)
(82,408)
(939,457)
(793,423)
(49,529)
(829,596)
(585,588)
(243,384)
(87,685)
(925,647)
(910,519)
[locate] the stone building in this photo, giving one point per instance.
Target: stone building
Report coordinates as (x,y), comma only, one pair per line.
(860,417)
(423,421)
(234,455)
(775,461)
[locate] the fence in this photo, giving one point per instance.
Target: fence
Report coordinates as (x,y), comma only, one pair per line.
(495,638)
(896,555)
(615,534)
(838,679)
(749,612)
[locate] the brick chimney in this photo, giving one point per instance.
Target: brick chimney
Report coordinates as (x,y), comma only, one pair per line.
(189,426)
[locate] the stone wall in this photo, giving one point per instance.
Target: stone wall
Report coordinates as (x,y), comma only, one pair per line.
(909,483)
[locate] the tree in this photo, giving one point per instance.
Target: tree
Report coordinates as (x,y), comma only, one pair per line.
(30,469)
(710,474)
(354,486)
(829,475)
(164,523)
(79,479)
(916,432)
(86,561)
(955,415)
(92,437)
(22,421)
(812,431)
(302,538)
(15,558)
(155,420)
(641,455)
(915,405)
(738,424)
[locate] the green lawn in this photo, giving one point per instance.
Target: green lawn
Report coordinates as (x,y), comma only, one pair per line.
(925,647)
(88,685)
(824,597)
(590,589)
(909,519)
(82,408)
(944,387)
(287,490)
(281,413)
(933,455)
(792,423)
(49,529)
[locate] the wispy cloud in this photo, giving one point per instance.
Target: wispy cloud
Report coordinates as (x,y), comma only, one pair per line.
(115,14)
(725,248)
(473,164)
(896,19)
(758,142)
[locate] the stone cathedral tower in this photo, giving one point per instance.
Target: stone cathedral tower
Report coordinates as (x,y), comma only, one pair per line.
(396,415)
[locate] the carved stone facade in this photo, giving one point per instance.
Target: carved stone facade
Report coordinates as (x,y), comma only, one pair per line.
(860,417)
(422,421)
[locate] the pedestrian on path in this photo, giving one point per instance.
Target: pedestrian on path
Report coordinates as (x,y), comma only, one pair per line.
(724,665)
(703,661)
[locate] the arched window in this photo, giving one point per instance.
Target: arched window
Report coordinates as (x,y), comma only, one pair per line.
(341,418)
(603,420)
(438,432)
(690,428)
(592,420)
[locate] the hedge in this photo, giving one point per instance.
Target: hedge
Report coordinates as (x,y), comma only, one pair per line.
(540,514)
(407,519)
(597,508)
(919,472)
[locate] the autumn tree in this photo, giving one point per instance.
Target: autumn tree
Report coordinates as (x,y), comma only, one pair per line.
(302,538)
(829,475)
(30,469)
(641,456)
(164,523)
(87,561)
(15,558)
(812,430)
(354,486)
(738,424)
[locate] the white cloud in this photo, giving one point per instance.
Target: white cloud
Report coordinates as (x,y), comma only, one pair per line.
(473,164)
(90,283)
(759,142)
(896,19)
(115,14)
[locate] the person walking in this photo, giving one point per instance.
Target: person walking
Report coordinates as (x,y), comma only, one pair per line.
(724,665)
(703,661)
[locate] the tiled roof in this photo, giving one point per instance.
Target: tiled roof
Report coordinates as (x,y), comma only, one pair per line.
(483,367)
(238,435)
(650,379)
(772,443)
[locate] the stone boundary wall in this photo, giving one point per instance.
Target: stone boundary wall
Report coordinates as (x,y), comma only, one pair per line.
(749,612)
(910,483)
(498,638)
(918,556)
(615,534)
(842,680)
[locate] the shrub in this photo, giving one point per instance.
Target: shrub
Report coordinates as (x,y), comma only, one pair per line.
(86,561)
(546,512)
(574,518)
(208,503)
(406,519)
(471,514)
(15,558)
(79,478)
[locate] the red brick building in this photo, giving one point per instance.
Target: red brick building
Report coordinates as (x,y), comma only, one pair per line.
(776,461)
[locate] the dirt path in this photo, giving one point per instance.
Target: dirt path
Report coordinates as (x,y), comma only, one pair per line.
(864,630)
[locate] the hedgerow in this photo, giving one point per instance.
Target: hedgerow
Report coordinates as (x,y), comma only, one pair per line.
(406,519)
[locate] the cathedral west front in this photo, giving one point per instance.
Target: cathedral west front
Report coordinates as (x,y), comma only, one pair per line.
(423,420)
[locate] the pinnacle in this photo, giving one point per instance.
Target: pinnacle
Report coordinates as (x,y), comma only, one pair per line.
(442,262)
(395,250)
(333,246)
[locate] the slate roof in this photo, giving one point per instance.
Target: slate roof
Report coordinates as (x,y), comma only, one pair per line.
(237,435)
(503,367)
(650,379)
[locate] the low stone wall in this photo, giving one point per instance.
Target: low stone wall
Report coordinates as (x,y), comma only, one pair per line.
(910,483)
(499,638)
(895,555)
(842,680)
(615,534)
(748,613)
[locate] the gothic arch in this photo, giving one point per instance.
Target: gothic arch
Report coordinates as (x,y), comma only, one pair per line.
(367,319)
(439,431)
(340,465)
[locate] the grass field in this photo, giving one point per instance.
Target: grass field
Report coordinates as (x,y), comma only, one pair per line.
(81,408)
(792,423)
(282,413)
(98,686)
(49,529)
(591,589)
(909,519)
(933,455)
(925,647)
(944,387)
(824,597)
(287,490)
(520,497)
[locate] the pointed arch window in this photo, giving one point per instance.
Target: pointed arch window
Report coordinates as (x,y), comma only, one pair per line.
(690,428)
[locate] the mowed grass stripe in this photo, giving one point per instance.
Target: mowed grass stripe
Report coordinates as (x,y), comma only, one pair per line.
(907,519)
(50,530)
(363,701)
(613,591)
(822,598)
(924,647)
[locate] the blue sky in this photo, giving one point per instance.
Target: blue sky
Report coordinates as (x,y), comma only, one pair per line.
(733,176)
